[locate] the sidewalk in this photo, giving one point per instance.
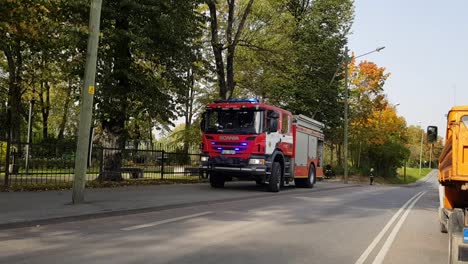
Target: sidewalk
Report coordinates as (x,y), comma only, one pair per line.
(27,208)
(19,209)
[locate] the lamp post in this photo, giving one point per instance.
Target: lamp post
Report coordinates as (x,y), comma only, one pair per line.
(31,106)
(420,152)
(346,105)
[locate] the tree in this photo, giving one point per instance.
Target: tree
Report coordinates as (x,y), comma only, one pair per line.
(377,133)
(225,71)
(144,54)
(21,25)
(287,55)
(40,47)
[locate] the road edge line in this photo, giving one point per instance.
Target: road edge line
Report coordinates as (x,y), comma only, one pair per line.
(388,243)
(166,221)
(377,239)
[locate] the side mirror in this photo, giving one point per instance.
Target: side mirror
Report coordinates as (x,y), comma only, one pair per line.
(272,121)
(273,125)
(203,123)
(273,115)
(432,134)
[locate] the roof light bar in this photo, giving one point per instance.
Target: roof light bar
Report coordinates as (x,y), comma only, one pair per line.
(239,100)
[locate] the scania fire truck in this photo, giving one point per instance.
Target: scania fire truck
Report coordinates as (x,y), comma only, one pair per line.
(249,140)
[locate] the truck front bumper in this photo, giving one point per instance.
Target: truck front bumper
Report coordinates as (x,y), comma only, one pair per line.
(235,170)
(236,167)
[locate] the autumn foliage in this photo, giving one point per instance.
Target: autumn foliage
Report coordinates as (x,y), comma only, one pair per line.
(377,134)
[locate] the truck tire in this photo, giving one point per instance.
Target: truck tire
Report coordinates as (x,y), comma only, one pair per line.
(275,178)
(311,179)
(443,221)
(443,228)
(455,227)
(217,180)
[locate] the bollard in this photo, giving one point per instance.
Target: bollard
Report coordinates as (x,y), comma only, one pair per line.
(371,176)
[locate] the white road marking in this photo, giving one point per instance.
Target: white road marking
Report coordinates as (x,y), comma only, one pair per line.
(170,220)
(377,239)
(388,243)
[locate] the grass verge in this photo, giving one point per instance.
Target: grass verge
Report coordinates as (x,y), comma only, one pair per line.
(412,175)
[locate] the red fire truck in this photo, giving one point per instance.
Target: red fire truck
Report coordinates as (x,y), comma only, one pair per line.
(249,140)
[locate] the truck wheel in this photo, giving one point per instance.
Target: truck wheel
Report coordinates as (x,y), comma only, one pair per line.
(455,227)
(443,228)
(275,178)
(216,180)
(311,179)
(443,220)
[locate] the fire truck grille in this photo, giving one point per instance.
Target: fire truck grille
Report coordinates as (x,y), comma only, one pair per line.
(226,143)
(224,161)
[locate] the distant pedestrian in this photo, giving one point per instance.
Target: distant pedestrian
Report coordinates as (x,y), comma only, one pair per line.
(371,176)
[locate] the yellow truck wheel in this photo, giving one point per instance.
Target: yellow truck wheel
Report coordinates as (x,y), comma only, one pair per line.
(455,227)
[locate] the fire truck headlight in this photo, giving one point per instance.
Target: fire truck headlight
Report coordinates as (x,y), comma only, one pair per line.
(204,158)
(257,162)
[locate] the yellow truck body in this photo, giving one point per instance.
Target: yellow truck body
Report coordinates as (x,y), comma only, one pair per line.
(453,162)
(453,190)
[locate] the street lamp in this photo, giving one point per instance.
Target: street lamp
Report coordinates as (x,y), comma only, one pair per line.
(420,153)
(347,60)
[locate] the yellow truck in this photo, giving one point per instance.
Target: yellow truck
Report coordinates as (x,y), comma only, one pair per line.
(453,179)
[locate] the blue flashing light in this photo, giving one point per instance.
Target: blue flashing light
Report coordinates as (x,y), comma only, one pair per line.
(249,100)
(213,143)
(244,144)
(220,148)
(237,149)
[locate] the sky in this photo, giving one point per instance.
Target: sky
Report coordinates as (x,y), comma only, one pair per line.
(426,52)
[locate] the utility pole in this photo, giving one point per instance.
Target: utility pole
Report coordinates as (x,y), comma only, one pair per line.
(420,153)
(430,157)
(87,96)
(345,140)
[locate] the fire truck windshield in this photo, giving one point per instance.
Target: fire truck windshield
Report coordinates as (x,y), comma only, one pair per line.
(242,121)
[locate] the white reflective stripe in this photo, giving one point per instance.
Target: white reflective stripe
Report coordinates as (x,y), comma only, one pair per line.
(379,237)
(388,243)
(165,221)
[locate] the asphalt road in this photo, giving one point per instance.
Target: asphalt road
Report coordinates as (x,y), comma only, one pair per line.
(328,224)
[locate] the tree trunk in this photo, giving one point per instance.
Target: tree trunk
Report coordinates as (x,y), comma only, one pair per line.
(66,106)
(338,155)
(232,43)
(226,82)
(15,67)
(113,126)
(44,97)
(190,98)
(113,142)
(217,49)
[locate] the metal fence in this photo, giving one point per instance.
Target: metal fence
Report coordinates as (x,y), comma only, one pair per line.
(49,163)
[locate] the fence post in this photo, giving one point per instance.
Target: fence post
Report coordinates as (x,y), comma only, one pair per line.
(163,153)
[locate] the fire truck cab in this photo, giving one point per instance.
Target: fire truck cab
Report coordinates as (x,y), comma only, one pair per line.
(249,140)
